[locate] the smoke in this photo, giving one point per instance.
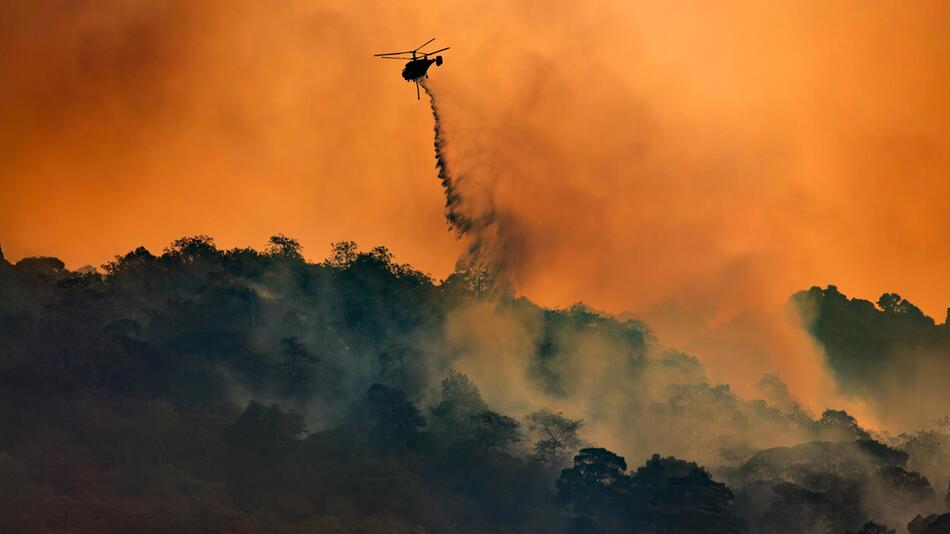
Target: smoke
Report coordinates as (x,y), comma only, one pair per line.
(738,342)
(634,396)
(694,198)
(692,166)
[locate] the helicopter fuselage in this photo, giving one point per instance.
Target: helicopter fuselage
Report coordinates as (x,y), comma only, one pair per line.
(417,63)
(417,68)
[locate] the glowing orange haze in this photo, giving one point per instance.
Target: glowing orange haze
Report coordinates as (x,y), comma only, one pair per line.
(688,161)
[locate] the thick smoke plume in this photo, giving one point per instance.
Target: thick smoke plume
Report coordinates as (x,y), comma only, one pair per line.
(763,340)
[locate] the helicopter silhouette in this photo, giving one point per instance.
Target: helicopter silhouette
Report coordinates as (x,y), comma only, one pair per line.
(417,63)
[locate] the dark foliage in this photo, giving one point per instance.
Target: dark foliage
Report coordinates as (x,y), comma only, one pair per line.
(870,346)
(932,524)
(665,495)
(823,486)
(203,390)
(872,527)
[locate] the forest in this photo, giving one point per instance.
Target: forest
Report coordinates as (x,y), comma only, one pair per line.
(208,390)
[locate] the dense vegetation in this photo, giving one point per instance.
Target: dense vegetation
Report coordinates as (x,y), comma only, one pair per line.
(888,353)
(868,343)
(203,390)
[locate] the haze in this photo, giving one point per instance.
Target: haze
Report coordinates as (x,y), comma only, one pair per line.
(694,164)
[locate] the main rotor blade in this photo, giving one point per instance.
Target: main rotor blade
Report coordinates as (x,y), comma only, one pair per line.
(436,51)
(399,58)
(394,53)
(425,43)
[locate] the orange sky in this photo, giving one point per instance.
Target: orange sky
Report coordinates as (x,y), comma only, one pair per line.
(707,157)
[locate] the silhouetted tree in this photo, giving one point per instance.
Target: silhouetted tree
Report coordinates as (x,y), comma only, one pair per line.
(841,426)
(873,527)
(298,370)
(284,247)
(596,485)
(493,431)
(932,524)
(471,278)
(557,436)
(343,254)
(460,402)
(892,303)
(393,421)
(673,495)
(192,247)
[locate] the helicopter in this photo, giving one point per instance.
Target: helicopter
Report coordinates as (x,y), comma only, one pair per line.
(417,63)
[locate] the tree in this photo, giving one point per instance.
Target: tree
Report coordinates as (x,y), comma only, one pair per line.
(281,246)
(264,431)
(133,260)
(462,415)
(460,402)
(596,465)
(932,524)
(189,248)
(892,303)
(839,425)
(393,421)
(297,369)
(873,527)
(558,436)
(673,495)
(493,431)
(342,255)
(473,278)
(595,486)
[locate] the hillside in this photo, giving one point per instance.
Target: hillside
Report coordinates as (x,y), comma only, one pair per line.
(203,390)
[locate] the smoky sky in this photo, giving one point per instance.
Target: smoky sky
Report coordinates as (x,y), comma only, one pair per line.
(691,163)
